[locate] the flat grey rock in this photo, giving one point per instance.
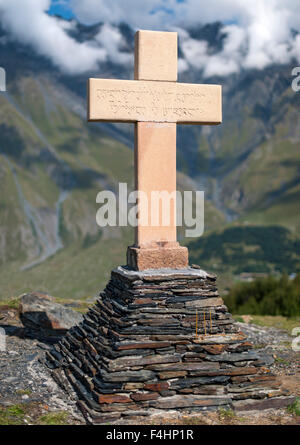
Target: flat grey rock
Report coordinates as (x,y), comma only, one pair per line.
(164,273)
(39,310)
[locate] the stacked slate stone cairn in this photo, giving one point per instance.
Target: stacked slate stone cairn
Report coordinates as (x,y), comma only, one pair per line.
(137,353)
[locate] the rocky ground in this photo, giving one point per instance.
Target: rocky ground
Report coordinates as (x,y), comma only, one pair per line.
(28,395)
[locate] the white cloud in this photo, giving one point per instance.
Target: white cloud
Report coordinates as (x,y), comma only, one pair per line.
(257,33)
(29,23)
(195,52)
(228,60)
(111,39)
(137,13)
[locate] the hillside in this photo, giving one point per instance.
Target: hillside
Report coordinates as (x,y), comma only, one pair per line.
(256,249)
(53,164)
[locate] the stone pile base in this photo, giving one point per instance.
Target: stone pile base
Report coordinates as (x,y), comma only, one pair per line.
(137,353)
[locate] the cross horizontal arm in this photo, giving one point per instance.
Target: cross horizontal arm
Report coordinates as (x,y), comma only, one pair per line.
(153,101)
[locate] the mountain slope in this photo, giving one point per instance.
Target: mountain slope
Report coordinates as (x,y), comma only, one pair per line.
(53,164)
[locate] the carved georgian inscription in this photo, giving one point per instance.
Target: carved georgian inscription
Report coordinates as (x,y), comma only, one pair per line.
(153,101)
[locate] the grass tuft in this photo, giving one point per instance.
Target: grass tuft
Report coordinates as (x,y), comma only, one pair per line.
(54,418)
(22,392)
(294,408)
(13,415)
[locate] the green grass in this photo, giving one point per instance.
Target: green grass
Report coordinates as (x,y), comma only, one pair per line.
(24,413)
(279,322)
(23,392)
(238,318)
(271,321)
(282,361)
(13,415)
(228,415)
(294,408)
(10,302)
(54,418)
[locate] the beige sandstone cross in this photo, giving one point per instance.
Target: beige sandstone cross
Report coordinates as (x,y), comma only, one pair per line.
(155,102)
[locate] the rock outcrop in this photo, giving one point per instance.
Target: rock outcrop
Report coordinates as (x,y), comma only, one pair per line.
(42,316)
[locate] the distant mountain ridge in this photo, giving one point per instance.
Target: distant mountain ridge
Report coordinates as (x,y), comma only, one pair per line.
(53,164)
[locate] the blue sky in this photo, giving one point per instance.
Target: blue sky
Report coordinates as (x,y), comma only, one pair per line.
(62,8)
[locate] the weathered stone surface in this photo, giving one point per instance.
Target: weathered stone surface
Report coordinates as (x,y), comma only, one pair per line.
(260,377)
(96,417)
(113,398)
(149,258)
(204,302)
(239,371)
(184,401)
(250,404)
(128,376)
(39,310)
(234,357)
(118,407)
(157,386)
(183,366)
(127,362)
(133,386)
(139,396)
(137,348)
(134,415)
(197,381)
(214,349)
(165,274)
(148,345)
(219,339)
(271,383)
(210,390)
(251,379)
(240,347)
(171,374)
(264,360)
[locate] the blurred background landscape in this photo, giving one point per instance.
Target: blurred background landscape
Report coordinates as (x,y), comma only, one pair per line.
(53,163)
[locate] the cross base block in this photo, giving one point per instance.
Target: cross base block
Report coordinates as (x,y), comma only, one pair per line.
(171,256)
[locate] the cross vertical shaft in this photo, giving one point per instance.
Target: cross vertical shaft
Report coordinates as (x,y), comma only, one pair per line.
(155,155)
(155,143)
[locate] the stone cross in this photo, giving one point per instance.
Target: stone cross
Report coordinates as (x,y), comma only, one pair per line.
(155,102)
